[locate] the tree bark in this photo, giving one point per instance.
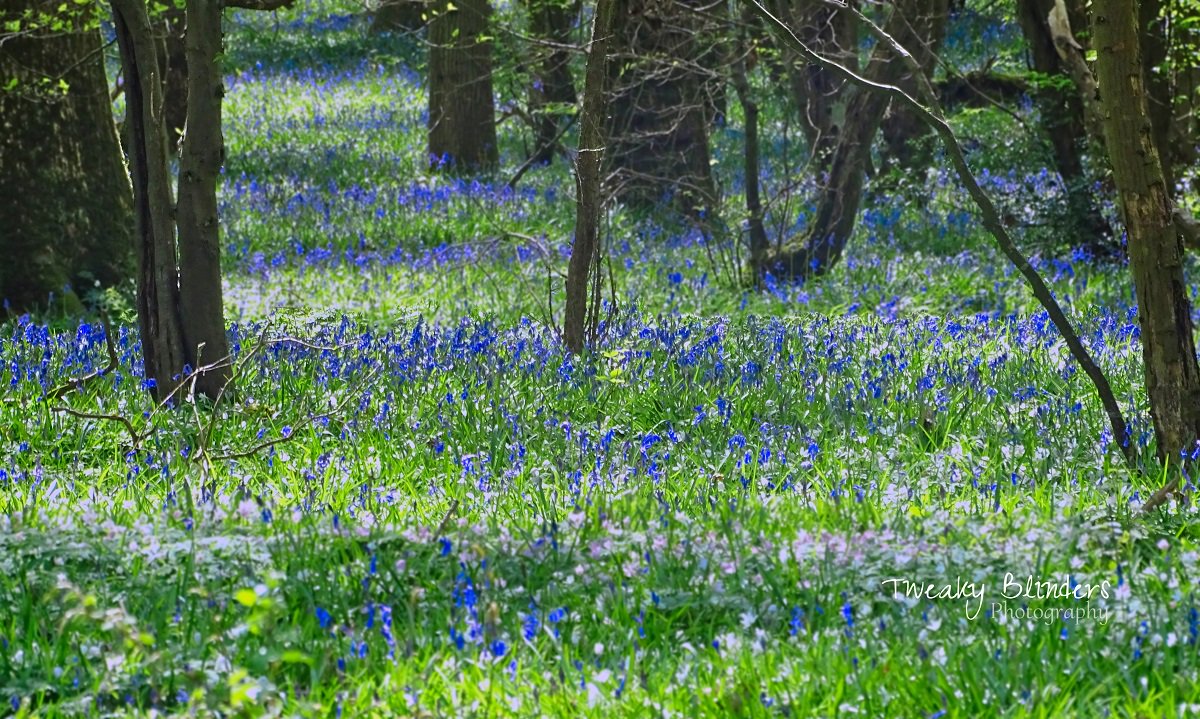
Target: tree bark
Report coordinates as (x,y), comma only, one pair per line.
(1062,119)
(585,249)
(203,153)
(759,243)
(462,113)
(553,93)
(65,200)
(659,125)
(902,129)
(159,320)
(400,16)
(841,191)
(1155,248)
(170,24)
(815,92)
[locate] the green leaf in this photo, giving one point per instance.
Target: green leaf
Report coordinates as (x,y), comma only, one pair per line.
(246,597)
(293,656)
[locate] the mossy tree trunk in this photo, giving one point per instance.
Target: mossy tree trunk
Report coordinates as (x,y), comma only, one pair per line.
(462,111)
(65,200)
(1172,376)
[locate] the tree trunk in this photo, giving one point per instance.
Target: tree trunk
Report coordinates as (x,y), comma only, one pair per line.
(903,131)
(585,249)
(1155,249)
(840,195)
(553,92)
(400,16)
(1159,95)
(169,23)
(203,154)
(462,115)
(1062,118)
(759,243)
(65,200)
(659,124)
(817,93)
(159,321)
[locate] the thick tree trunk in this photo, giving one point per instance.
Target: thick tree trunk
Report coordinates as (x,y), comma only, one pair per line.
(553,92)
(1062,116)
(203,154)
(65,201)
(841,191)
(163,347)
(659,125)
(585,249)
(1155,249)
(462,114)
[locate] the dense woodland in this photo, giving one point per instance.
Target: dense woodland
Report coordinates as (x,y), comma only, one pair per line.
(570,357)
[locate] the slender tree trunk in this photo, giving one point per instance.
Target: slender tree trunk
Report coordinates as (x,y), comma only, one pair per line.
(65,201)
(759,243)
(163,347)
(585,249)
(1155,248)
(553,92)
(199,229)
(462,114)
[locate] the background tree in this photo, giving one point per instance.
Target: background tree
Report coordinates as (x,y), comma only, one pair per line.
(400,16)
(462,112)
(1062,119)
(840,139)
(65,202)
(552,95)
(665,57)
